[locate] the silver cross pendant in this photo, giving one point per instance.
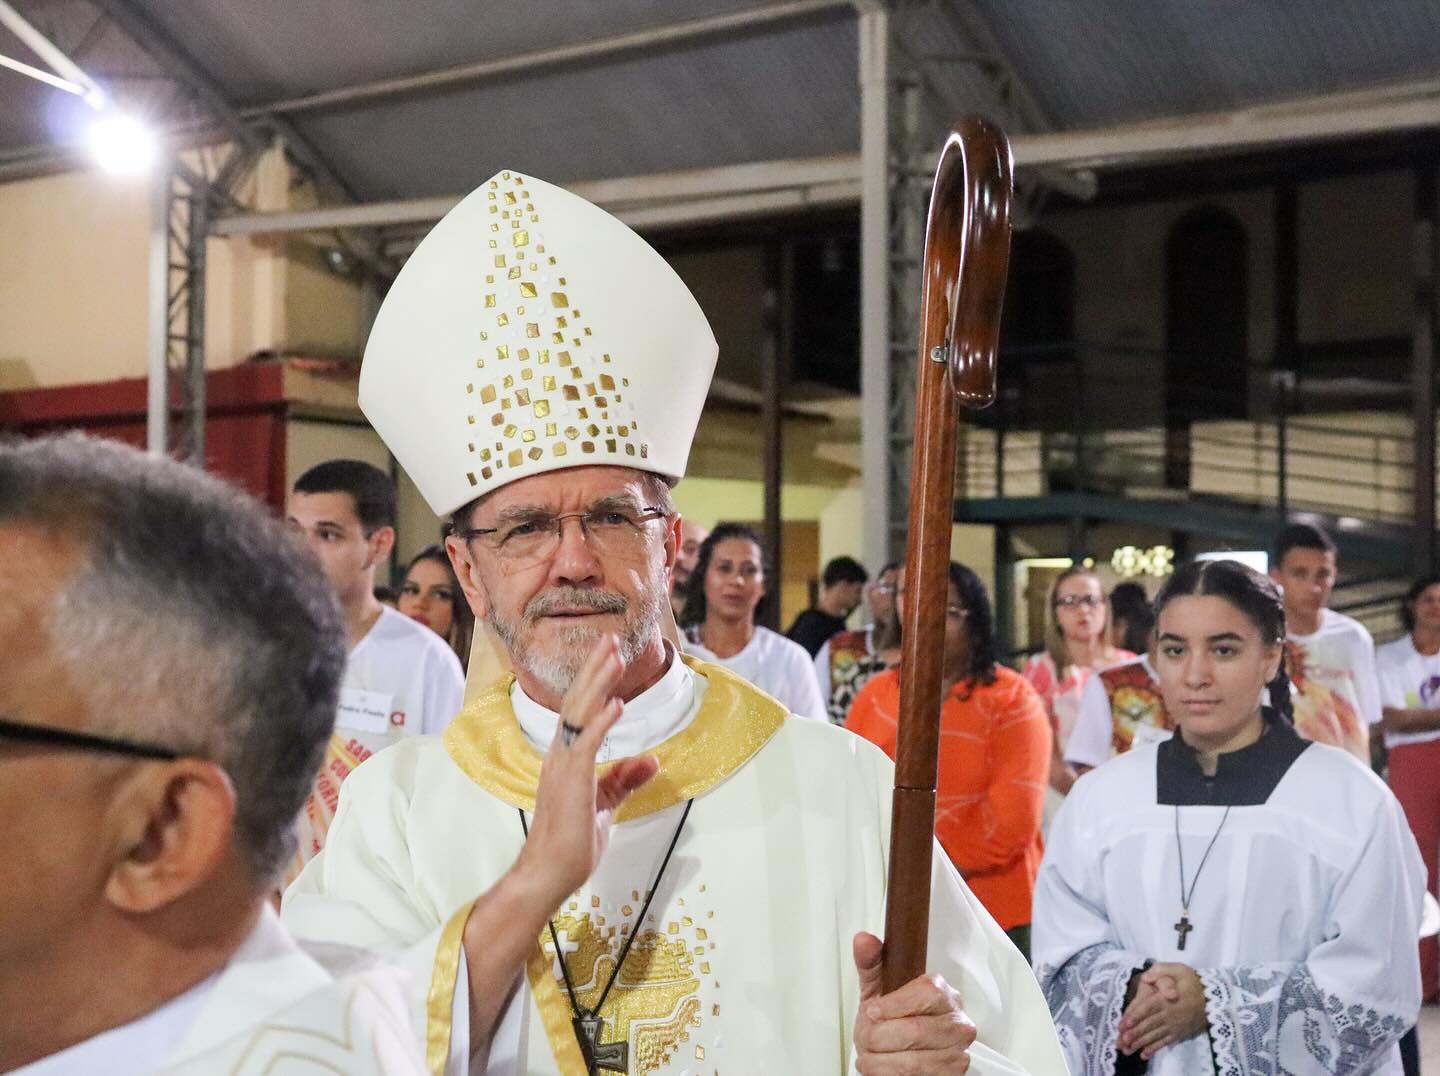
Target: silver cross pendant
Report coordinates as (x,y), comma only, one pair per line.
(609,1056)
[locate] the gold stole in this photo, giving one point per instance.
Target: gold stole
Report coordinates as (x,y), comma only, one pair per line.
(735,721)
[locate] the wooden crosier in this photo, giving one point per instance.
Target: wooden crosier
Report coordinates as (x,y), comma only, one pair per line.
(967,253)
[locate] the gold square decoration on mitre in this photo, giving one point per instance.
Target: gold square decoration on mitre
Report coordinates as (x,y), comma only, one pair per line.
(530,331)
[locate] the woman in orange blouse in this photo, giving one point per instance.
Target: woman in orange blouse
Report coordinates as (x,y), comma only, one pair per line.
(995,745)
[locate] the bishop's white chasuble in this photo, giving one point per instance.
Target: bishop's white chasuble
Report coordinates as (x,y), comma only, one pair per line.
(743,964)
(1301,922)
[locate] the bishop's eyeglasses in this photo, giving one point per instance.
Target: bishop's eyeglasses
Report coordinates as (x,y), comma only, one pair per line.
(616,530)
(46,736)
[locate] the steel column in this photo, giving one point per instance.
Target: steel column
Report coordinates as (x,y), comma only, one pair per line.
(157,406)
(775,372)
(874,32)
(193,450)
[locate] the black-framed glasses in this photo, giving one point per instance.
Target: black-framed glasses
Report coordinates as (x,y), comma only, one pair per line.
(45,736)
(609,529)
(1079,601)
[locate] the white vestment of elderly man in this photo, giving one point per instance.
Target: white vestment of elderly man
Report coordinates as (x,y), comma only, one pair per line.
(272,1008)
(532,332)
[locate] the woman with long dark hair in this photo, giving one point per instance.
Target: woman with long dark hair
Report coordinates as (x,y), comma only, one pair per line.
(726,588)
(431,595)
(1235,899)
(994,756)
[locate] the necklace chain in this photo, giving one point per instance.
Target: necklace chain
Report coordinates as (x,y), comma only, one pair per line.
(629,938)
(1180,853)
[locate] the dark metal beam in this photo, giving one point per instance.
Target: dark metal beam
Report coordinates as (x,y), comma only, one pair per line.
(775,369)
(1379,543)
(1427,265)
(647,41)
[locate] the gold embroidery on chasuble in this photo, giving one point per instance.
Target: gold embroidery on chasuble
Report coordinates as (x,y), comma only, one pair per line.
(656,1004)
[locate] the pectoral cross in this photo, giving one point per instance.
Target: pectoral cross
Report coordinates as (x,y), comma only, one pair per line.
(1182,928)
(610,1056)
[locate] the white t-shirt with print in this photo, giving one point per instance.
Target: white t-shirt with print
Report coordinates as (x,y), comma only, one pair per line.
(777,666)
(1409,680)
(1335,694)
(401,680)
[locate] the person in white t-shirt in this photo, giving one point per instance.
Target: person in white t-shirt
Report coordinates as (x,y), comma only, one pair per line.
(1330,657)
(1409,671)
(401,679)
(725,590)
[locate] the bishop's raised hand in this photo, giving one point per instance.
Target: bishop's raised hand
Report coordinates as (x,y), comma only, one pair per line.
(574,806)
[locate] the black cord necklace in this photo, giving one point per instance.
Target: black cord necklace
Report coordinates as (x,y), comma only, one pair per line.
(611,1056)
(1183,927)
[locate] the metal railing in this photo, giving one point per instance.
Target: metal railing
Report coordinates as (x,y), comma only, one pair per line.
(1084,418)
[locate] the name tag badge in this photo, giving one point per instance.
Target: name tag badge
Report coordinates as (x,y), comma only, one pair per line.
(1148,734)
(364,711)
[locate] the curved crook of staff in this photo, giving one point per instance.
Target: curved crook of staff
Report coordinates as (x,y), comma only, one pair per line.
(967,253)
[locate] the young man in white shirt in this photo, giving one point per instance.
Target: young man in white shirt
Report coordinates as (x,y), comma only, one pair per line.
(1329,656)
(1409,671)
(401,679)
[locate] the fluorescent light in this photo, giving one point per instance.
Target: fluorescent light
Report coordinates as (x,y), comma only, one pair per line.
(43,76)
(121,143)
(1251,558)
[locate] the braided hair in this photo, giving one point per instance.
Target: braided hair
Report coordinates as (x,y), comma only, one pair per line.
(1253,594)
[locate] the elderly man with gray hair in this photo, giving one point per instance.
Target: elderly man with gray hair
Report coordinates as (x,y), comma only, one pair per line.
(169,662)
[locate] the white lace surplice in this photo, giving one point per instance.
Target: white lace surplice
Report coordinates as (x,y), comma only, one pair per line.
(1305,920)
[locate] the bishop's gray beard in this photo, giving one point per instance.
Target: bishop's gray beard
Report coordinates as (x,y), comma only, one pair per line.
(640,624)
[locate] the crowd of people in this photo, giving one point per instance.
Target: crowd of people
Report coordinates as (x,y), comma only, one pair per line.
(570,807)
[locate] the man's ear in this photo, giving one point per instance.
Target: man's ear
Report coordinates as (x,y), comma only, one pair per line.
(174,825)
(468,575)
(382,541)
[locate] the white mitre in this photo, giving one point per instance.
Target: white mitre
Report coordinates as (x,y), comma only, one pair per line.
(531,331)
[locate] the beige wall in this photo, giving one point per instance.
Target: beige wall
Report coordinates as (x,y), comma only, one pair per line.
(836,514)
(1355,276)
(74,251)
(72,279)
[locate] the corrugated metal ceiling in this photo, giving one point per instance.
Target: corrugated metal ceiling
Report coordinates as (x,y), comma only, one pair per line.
(783,92)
